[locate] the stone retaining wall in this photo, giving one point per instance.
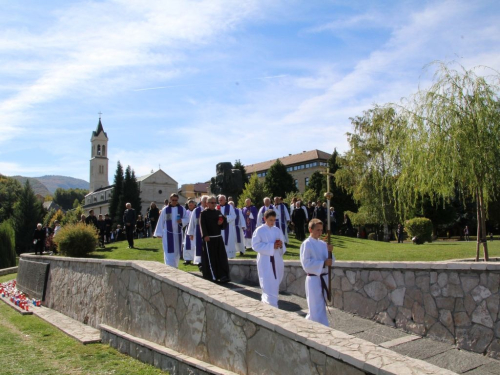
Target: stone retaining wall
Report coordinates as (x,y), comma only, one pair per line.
(8,271)
(454,302)
(208,322)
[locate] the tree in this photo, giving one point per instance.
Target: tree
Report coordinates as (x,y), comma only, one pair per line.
(114,212)
(27,214)
(341,200)
(66,197)
(255,190)
(450,141)
(278,181)
(317,184)
(10,191)
(131,192)
(241,167)
(367,170)
(7,245)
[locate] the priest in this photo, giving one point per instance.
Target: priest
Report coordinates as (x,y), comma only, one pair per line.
(268,242)
(250,214)
(169,229)
(187,250)
(214,262)
(282,217)
(194,239)
(240,226)
(229,230)
(267,206)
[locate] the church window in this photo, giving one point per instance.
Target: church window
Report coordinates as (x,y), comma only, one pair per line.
(98,149)
(103,150)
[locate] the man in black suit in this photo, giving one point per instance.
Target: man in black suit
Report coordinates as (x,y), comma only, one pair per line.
(129,219)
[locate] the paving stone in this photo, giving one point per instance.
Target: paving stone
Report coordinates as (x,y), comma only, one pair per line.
(458,360)
(380,334)
(422,349)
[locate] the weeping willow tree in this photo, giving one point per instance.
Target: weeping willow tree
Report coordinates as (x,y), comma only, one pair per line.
(368,170)
(451,140)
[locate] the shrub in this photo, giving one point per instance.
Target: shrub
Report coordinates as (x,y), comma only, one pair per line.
(76,240)
(7,245)
(372,236)
(421,228)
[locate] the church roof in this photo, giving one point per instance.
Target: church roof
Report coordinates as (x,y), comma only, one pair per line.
(305,156)
(99,130)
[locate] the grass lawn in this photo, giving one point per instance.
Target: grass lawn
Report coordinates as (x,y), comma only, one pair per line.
(345,248)
(31,346)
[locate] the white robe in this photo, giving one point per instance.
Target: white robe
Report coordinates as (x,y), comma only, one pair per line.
(191,231)
(186,254)
(313,254)
(240,246)
(260,215)
(171,259)
(231,241)
(263,241)
(277,209)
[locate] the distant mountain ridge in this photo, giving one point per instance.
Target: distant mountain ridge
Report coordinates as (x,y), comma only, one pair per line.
(47,185)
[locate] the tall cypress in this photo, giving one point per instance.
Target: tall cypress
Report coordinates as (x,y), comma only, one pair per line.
(115,211)
(27,215)
(131,191)
(278,181)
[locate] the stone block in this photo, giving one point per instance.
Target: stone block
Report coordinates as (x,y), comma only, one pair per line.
(453,278)
(435,290)
(483,279)
(390,282)
(494,352)
(375,276)
(32,278)
(336,282)
(447,303)
(423,283)
(433,277)
(418,313)
(440,333)
(384,318)
(442,279)
(430,306)
(461,319)
(475,339)
(351,276)
(479,293)
(482,316)
(459,305)
(452,290)
(364,275)
(497,329)
(397,296)
(446,319)
(493,282)
(338,302)
(409,279)
(399,278)
(376,290)
(346,285)
(469,282)
(493,303)
(470,304)
(356,303)
(336,367)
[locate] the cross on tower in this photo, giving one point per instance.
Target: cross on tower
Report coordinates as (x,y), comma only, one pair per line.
(100,113)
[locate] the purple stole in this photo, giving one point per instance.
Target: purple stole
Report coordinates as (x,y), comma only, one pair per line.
(271,207)
(250,228)
(282,225)
(196,212)
(237,225)
(170,228)
(227,209)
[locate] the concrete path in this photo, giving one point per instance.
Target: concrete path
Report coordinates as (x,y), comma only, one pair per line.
(439,354)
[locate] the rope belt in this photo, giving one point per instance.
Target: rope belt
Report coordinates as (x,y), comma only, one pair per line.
(324,287)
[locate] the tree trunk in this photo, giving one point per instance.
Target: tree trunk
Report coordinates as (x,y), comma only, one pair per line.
(478,238)
(387,236)
(483,226)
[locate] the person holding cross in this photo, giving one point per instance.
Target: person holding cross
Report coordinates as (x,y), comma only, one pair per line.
(315,260)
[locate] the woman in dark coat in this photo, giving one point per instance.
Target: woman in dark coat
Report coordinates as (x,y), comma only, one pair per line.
(39,239)
(299,220)
(154,214)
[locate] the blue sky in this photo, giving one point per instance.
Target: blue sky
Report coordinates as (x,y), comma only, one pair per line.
(247,79)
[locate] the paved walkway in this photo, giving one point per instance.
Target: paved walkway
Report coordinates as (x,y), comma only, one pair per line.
(439,354)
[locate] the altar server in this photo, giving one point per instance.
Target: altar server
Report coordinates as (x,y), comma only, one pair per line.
(194,238)
(239,225)
(250,214)
(267,206)
(229,230)
(315,262)
(268,242)
(187,249)
(282,217)
(169,229)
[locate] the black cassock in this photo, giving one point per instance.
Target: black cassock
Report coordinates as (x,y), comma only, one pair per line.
(299,221)
(214,256)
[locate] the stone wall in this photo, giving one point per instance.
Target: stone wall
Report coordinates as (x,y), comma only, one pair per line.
(209,322)
(8,271)
(454,302)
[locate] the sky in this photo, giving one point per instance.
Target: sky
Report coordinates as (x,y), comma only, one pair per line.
(189,84)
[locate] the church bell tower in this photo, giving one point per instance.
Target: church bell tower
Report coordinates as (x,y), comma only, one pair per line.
(99,159)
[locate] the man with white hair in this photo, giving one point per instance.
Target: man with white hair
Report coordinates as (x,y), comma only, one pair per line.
(267,206)
(194,240)
(250,215)
(229,230)
(169,229)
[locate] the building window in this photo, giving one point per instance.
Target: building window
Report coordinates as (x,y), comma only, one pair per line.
(102,197)
(103,150)
(307,181)
(98,149)
(296,183)
(295,168)
(160,192)
(95,199)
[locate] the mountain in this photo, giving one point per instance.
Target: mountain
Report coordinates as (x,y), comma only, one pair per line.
(54,182)
(36,185)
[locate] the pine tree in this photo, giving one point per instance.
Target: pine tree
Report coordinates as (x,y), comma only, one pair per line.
(10,190)
(115,210)
(341,200)
(255,190)
(27,215)
(278,181)
(317,185)
(131,191)
(241,167)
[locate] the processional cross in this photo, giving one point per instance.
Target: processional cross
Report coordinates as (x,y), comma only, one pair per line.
(328,197)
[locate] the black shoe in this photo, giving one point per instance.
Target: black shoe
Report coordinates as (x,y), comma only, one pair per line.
(242,253)
(224,280)
(187,262)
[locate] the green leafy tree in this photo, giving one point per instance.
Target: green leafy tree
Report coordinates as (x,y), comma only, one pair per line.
(367,170)
(10,191)
(341,200)
(450,141)
(66,197)
(7,245)
(73,216)
(278,181)
(317,186)
(241,167)
(27,214)
(115,212)
(255,190)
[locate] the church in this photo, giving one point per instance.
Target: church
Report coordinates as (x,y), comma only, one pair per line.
(154,187)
